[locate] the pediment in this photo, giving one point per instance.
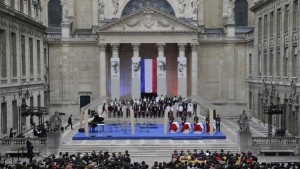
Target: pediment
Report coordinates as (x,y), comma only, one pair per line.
(148,20)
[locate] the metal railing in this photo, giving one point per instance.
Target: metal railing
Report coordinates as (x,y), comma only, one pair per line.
(275,140)
(22,141)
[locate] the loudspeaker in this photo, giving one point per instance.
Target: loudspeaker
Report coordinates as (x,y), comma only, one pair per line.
(81,130)
(93,135)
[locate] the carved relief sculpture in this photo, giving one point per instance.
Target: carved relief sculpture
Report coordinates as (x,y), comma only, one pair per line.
(101,7)
(65,9)
(194,5)
(230,11)
(116,6)
(182,6)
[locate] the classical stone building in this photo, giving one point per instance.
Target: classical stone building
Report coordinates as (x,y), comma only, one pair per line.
(273,64)
(86,37)
(22,61)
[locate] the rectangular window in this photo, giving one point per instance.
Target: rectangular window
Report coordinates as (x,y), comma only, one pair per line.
(278,62)
(278,22)
(12,3)
(271,63)
(15,114)
(259,28)
(23,117)
(250,100)
(265,26)
(286,19)
(259,63)
(271,24)
(45,57)
(39,100)
(285,62)
(3,53)
(22,6)
(250,64)
(265,63)
(31,55)
(294,61)
(14,54)
(23,56)
(29,7)
(295,15)
(38,55)
(4,118)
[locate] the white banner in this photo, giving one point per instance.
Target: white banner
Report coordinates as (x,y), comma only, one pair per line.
(161,67)
(115,67)
(181,67)
(136,67)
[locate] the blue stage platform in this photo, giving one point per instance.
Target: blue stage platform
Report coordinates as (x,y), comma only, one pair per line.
(115,132)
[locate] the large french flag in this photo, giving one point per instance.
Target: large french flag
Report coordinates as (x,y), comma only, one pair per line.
(148,76)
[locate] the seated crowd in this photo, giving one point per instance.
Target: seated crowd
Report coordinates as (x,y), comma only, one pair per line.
(180,160)
(150,107)
(101,160)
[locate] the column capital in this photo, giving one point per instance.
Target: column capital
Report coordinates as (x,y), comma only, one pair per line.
(181,46)
(115,47)
(161,46)
(102,46)
(136,46)
(194,46)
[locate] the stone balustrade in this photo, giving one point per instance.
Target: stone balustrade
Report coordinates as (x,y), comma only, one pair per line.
(16,142)
(275,140)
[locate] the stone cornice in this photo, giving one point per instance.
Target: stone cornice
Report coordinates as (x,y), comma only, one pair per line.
(146,21)
(7,10)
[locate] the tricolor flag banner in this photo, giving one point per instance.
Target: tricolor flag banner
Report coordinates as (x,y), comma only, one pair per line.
(148,76)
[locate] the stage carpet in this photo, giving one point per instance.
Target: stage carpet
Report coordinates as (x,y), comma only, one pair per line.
(116,132)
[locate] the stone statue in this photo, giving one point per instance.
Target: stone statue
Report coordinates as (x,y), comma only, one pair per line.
(230,11)
(116,6)
(182,5)
(243,122)
(101,7)
(55,122)
(195,4)
(65,9)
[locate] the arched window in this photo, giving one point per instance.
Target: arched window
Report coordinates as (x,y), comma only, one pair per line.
(135,5)
(241,12)
(54,13)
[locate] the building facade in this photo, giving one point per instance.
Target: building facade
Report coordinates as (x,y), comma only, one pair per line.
(273,64)
(23,61)
(86,37)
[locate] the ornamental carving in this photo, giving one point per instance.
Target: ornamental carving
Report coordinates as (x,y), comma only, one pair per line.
(148,20)
(133,22)
(116,6)
(135,5)
(163,22)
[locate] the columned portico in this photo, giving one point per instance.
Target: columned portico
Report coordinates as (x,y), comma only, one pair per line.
(150,34)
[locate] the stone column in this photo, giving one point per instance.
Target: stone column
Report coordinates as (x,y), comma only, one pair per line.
(201,13)
(194,69)
(102,71)
(161,71)
(136,72)
(181,71)
(8,56)
(42,60)
(35,68)
(27,59)
(230,71)
(115,72)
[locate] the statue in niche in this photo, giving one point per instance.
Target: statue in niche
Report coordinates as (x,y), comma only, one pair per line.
(194,5)
(101,7)
(230,10)
(55,123)
(243,122)
(116,6)
(182,6)
(65,9)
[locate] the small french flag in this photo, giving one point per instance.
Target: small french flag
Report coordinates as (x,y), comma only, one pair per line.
(148,76)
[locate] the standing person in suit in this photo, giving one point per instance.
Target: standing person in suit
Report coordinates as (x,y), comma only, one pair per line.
(70,122)
(218,123)
(29,146)
(195,107)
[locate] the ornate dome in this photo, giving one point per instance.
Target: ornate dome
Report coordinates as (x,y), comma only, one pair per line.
(135,5)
